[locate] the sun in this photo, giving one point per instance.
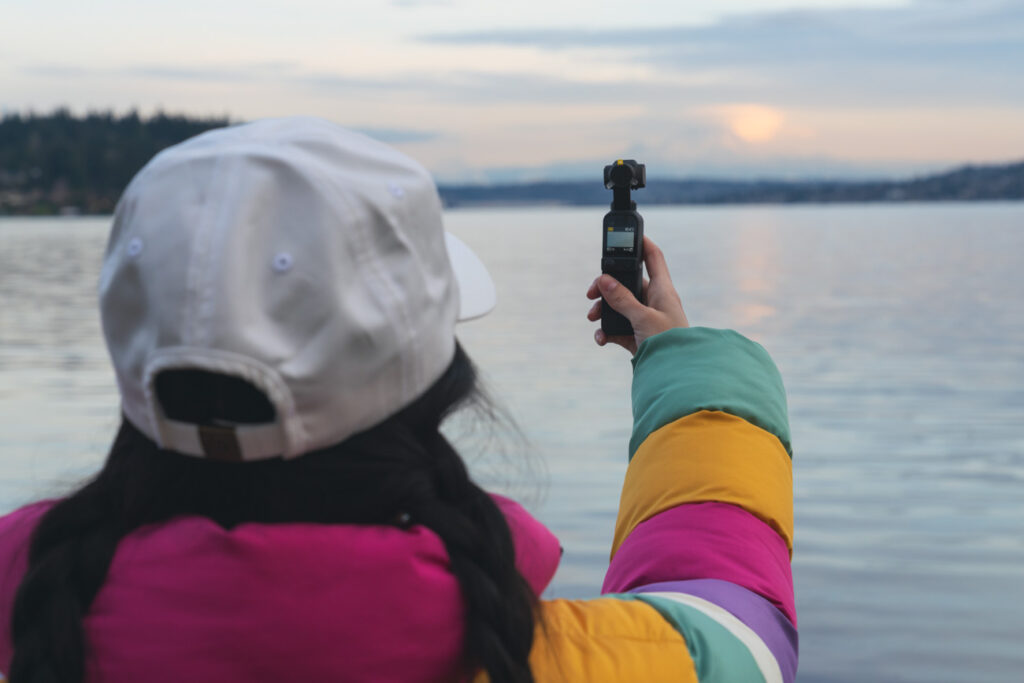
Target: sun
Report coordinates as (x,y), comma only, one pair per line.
(754,122)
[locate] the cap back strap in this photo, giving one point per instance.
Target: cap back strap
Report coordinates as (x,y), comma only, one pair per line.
(220,443)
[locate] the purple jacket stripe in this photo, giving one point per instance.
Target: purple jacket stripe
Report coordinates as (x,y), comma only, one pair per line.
(760,615)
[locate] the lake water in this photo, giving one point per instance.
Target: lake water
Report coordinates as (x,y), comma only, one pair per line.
(899,330)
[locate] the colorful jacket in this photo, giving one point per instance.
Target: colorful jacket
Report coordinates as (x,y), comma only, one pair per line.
(698,588)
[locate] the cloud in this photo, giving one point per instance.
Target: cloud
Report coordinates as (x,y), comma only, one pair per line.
(58,71)
(174,72)
(929,53)
(925,53)
(798,92)
(330,81)
(984,24)
(416,4)
(399,136)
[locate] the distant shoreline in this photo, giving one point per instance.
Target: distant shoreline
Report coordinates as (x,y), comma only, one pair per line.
(62,164)
(497,206)
(934,189)
(968,183)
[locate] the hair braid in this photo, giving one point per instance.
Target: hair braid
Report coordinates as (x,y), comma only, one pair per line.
(403,465)
(500,605)
(70,552)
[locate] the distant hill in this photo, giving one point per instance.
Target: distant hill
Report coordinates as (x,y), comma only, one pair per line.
(62,163)
(963,184)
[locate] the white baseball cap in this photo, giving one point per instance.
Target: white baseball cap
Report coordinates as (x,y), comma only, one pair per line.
(301,257)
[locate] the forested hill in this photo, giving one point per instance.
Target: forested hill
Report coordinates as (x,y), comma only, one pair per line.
(61,163)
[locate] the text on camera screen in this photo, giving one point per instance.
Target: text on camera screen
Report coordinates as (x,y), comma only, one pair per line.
(620,237)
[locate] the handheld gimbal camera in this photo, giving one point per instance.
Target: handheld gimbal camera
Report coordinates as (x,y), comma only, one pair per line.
(623,241)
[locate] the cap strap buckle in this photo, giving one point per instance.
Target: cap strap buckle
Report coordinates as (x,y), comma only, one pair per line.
(220,443)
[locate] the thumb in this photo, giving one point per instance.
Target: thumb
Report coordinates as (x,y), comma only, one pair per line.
(619,297)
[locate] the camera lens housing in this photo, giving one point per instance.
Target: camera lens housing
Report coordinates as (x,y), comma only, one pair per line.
(625,173)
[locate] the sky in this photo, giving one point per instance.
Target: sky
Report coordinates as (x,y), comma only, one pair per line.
(488,90)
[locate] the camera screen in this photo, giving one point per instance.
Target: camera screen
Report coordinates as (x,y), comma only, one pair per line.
(619,236)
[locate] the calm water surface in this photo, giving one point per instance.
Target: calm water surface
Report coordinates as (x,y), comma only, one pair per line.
(899,331)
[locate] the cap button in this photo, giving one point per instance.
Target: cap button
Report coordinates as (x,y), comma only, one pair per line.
(283,262)
(134,247)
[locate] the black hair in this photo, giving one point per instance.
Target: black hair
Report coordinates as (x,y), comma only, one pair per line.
(402,471)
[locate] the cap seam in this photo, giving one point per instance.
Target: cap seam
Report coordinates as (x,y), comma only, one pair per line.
(370,256)
(212,241)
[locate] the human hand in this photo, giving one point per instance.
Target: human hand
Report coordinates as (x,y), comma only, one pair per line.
(664,309)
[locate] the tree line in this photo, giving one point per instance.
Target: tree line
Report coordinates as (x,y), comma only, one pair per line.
(60,162)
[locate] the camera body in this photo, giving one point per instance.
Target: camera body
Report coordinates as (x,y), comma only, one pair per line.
(623,239)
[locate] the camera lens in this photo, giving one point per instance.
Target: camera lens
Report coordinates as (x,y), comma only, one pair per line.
(622,175)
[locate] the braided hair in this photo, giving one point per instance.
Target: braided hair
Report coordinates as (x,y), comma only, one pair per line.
(402,471)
